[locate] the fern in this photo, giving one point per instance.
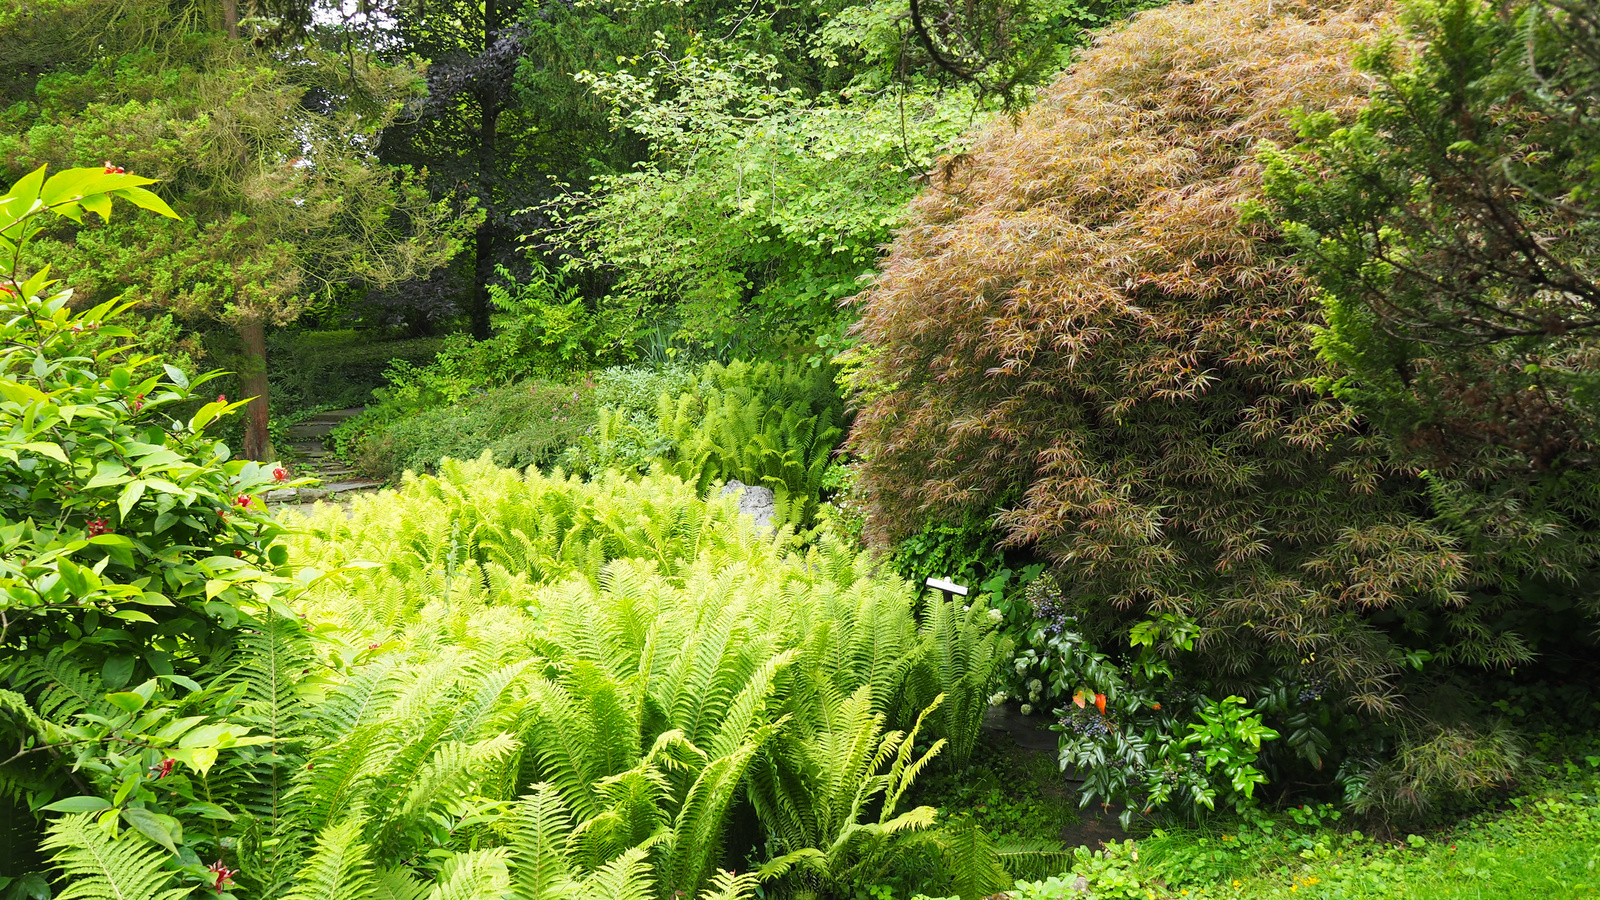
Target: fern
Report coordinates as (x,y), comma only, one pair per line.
(96,866)
(61,688)
(538,852)
(637,654)
(475,875)
(728,886)
(958,660)
(339,869)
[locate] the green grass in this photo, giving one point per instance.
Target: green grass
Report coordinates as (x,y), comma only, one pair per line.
(1544,845)
(1542,848)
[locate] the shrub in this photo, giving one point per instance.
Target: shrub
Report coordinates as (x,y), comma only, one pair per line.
(1451,229)
(524,424)
(1082,318)
(133,553)
(627,434)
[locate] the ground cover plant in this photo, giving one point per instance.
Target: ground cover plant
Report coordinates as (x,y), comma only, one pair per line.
(1542,845)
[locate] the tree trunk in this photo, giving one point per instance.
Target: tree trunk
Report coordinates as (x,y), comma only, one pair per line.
(487,240)
(483,270)
(253,377)
(253,372)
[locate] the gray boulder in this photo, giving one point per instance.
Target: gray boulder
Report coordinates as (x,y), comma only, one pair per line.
(755,501)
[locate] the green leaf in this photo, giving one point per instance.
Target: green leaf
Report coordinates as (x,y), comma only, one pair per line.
(79,804)
(127,701)
(26,190)
(133,615)
(117,670)
(130,496)
(146,200)
(48,448)
(164,830)
(99,204)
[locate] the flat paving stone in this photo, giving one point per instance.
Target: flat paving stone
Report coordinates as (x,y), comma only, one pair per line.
(360,484)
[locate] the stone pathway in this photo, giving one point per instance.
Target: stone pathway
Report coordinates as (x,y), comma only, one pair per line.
(306,455)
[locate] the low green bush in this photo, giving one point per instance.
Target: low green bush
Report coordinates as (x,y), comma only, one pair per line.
(627,435)
(525,424)
(316,370)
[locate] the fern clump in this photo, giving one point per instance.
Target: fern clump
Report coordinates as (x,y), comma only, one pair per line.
(516,683)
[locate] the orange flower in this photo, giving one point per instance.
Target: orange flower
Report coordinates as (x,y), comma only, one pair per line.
(1100,703)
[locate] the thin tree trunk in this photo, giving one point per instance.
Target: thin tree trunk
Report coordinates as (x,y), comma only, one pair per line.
(253,377)
(487,240)
(483,270)
(253,335)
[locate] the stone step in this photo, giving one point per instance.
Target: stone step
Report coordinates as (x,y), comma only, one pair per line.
(334,491)
(335,416)
(354,484)
(318,426)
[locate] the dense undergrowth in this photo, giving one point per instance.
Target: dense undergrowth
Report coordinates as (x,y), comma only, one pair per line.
(1202,473)
(652,667)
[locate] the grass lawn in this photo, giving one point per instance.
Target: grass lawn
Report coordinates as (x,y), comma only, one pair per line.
(1540,849)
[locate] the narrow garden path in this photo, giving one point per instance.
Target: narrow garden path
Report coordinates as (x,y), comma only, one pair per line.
(1031,737)
(306,455)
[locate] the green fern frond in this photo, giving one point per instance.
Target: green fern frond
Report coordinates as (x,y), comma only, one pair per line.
(727,886)
(453,771)
(1033,860)
(970,858)
(625,878)
(475,875)
(340,869)
(398,884)
(538,843)
(96,866)
(60,687)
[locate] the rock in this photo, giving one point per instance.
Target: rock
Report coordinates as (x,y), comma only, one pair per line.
(757,502)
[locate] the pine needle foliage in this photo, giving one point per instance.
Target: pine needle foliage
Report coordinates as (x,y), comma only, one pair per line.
(1083,318)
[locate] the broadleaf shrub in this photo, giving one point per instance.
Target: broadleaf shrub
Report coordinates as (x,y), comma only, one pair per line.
(1082,318)
(134,552)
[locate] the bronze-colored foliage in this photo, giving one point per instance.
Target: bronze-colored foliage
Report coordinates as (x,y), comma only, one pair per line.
(1080,318)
